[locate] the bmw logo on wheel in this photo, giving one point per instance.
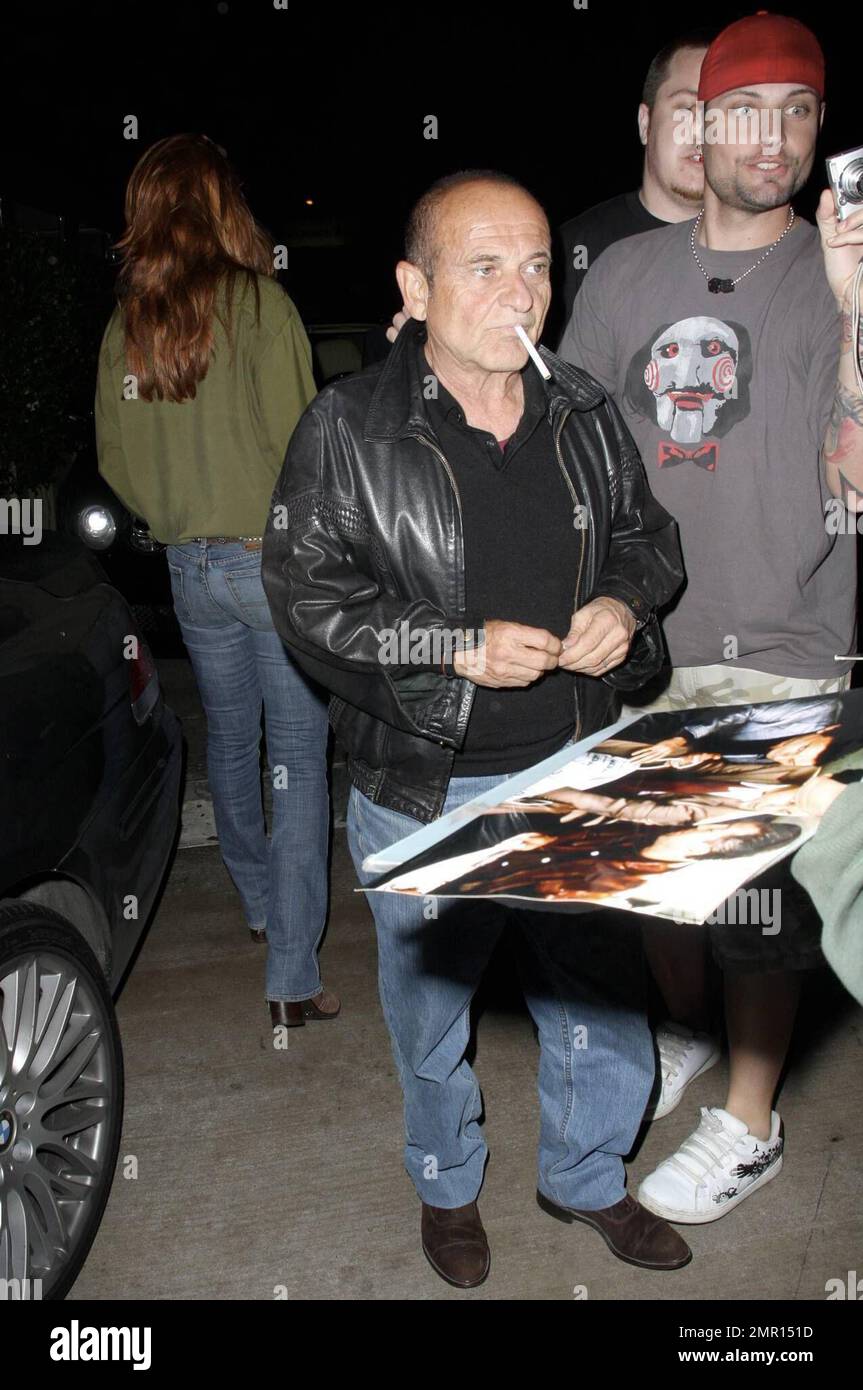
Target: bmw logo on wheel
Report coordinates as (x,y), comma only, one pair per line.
(6,1129)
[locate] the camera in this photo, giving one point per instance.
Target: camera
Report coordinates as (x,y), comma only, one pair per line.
(845,172)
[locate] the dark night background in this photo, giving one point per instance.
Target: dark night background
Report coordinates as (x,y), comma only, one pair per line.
(327,102)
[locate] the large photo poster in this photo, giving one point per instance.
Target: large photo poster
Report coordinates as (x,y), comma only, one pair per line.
(668,814)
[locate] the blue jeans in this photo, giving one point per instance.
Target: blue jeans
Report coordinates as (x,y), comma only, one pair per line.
(583,980)
(241,665)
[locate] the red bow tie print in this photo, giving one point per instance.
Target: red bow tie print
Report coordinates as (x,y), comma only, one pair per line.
(705,455)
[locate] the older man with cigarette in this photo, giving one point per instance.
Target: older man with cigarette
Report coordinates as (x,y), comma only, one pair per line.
(498,515)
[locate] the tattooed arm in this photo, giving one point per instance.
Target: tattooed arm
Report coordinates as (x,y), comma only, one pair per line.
(843,443)
(842,451)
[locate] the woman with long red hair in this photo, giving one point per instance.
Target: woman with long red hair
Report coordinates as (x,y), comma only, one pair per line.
(204,371)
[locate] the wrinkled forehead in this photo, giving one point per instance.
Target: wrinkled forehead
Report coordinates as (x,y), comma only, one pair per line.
(694,331)
(475,220)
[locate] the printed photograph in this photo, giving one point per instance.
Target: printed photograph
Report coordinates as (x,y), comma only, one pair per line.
(670,819)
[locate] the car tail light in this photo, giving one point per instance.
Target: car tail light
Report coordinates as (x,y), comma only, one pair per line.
(97,527)
(143,682)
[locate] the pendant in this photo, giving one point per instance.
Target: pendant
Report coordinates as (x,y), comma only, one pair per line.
(717,286)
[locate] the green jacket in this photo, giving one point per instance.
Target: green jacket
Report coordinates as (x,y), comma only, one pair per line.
(830,867)
(207,467)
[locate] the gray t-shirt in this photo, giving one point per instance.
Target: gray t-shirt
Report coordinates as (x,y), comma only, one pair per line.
(728,398)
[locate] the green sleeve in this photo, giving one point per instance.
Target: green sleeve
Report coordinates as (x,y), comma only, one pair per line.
(830,868)
(109,447)
(285,383)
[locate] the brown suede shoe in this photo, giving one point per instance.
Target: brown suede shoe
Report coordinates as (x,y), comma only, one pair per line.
(630,1231)
(285,1013)
(455,1245)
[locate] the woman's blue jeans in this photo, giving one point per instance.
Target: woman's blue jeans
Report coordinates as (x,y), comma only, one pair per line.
(241,666)
(583,980)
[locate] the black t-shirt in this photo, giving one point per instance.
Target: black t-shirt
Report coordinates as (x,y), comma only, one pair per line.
(595,229)
(521,559)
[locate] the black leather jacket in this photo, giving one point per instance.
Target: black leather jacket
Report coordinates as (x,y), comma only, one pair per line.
(365,535)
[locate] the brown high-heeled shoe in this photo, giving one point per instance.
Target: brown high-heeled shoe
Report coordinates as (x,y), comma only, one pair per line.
(290,1013)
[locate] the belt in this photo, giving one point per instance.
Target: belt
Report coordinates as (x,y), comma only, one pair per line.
(250,542)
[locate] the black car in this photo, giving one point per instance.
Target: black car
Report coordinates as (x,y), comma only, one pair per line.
(90,765)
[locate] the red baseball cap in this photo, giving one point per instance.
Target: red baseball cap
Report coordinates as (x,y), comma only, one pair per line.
(761,48)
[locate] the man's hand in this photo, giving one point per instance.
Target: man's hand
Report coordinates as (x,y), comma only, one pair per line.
(813,798)
(511,655)
(818,794)
(598,638)
(841,243)
(803,750)
(647,810)
(661,752)
(398,323)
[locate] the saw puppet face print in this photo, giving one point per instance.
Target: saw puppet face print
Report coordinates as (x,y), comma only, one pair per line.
(691,374)
(693,380)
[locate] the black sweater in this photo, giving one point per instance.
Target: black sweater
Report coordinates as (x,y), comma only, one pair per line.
(521,561)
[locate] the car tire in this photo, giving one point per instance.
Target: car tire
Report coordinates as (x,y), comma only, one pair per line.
(61,1100)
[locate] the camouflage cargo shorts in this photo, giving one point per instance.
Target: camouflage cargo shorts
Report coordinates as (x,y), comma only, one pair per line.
(782,930)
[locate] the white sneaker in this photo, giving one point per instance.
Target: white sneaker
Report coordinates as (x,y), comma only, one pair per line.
(683,1055)
(713,1170)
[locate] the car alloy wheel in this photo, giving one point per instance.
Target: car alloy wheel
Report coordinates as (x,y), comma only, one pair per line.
(61,1101)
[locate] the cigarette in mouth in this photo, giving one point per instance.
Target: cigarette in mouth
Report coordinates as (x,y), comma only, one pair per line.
(532,352)
(849,657)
